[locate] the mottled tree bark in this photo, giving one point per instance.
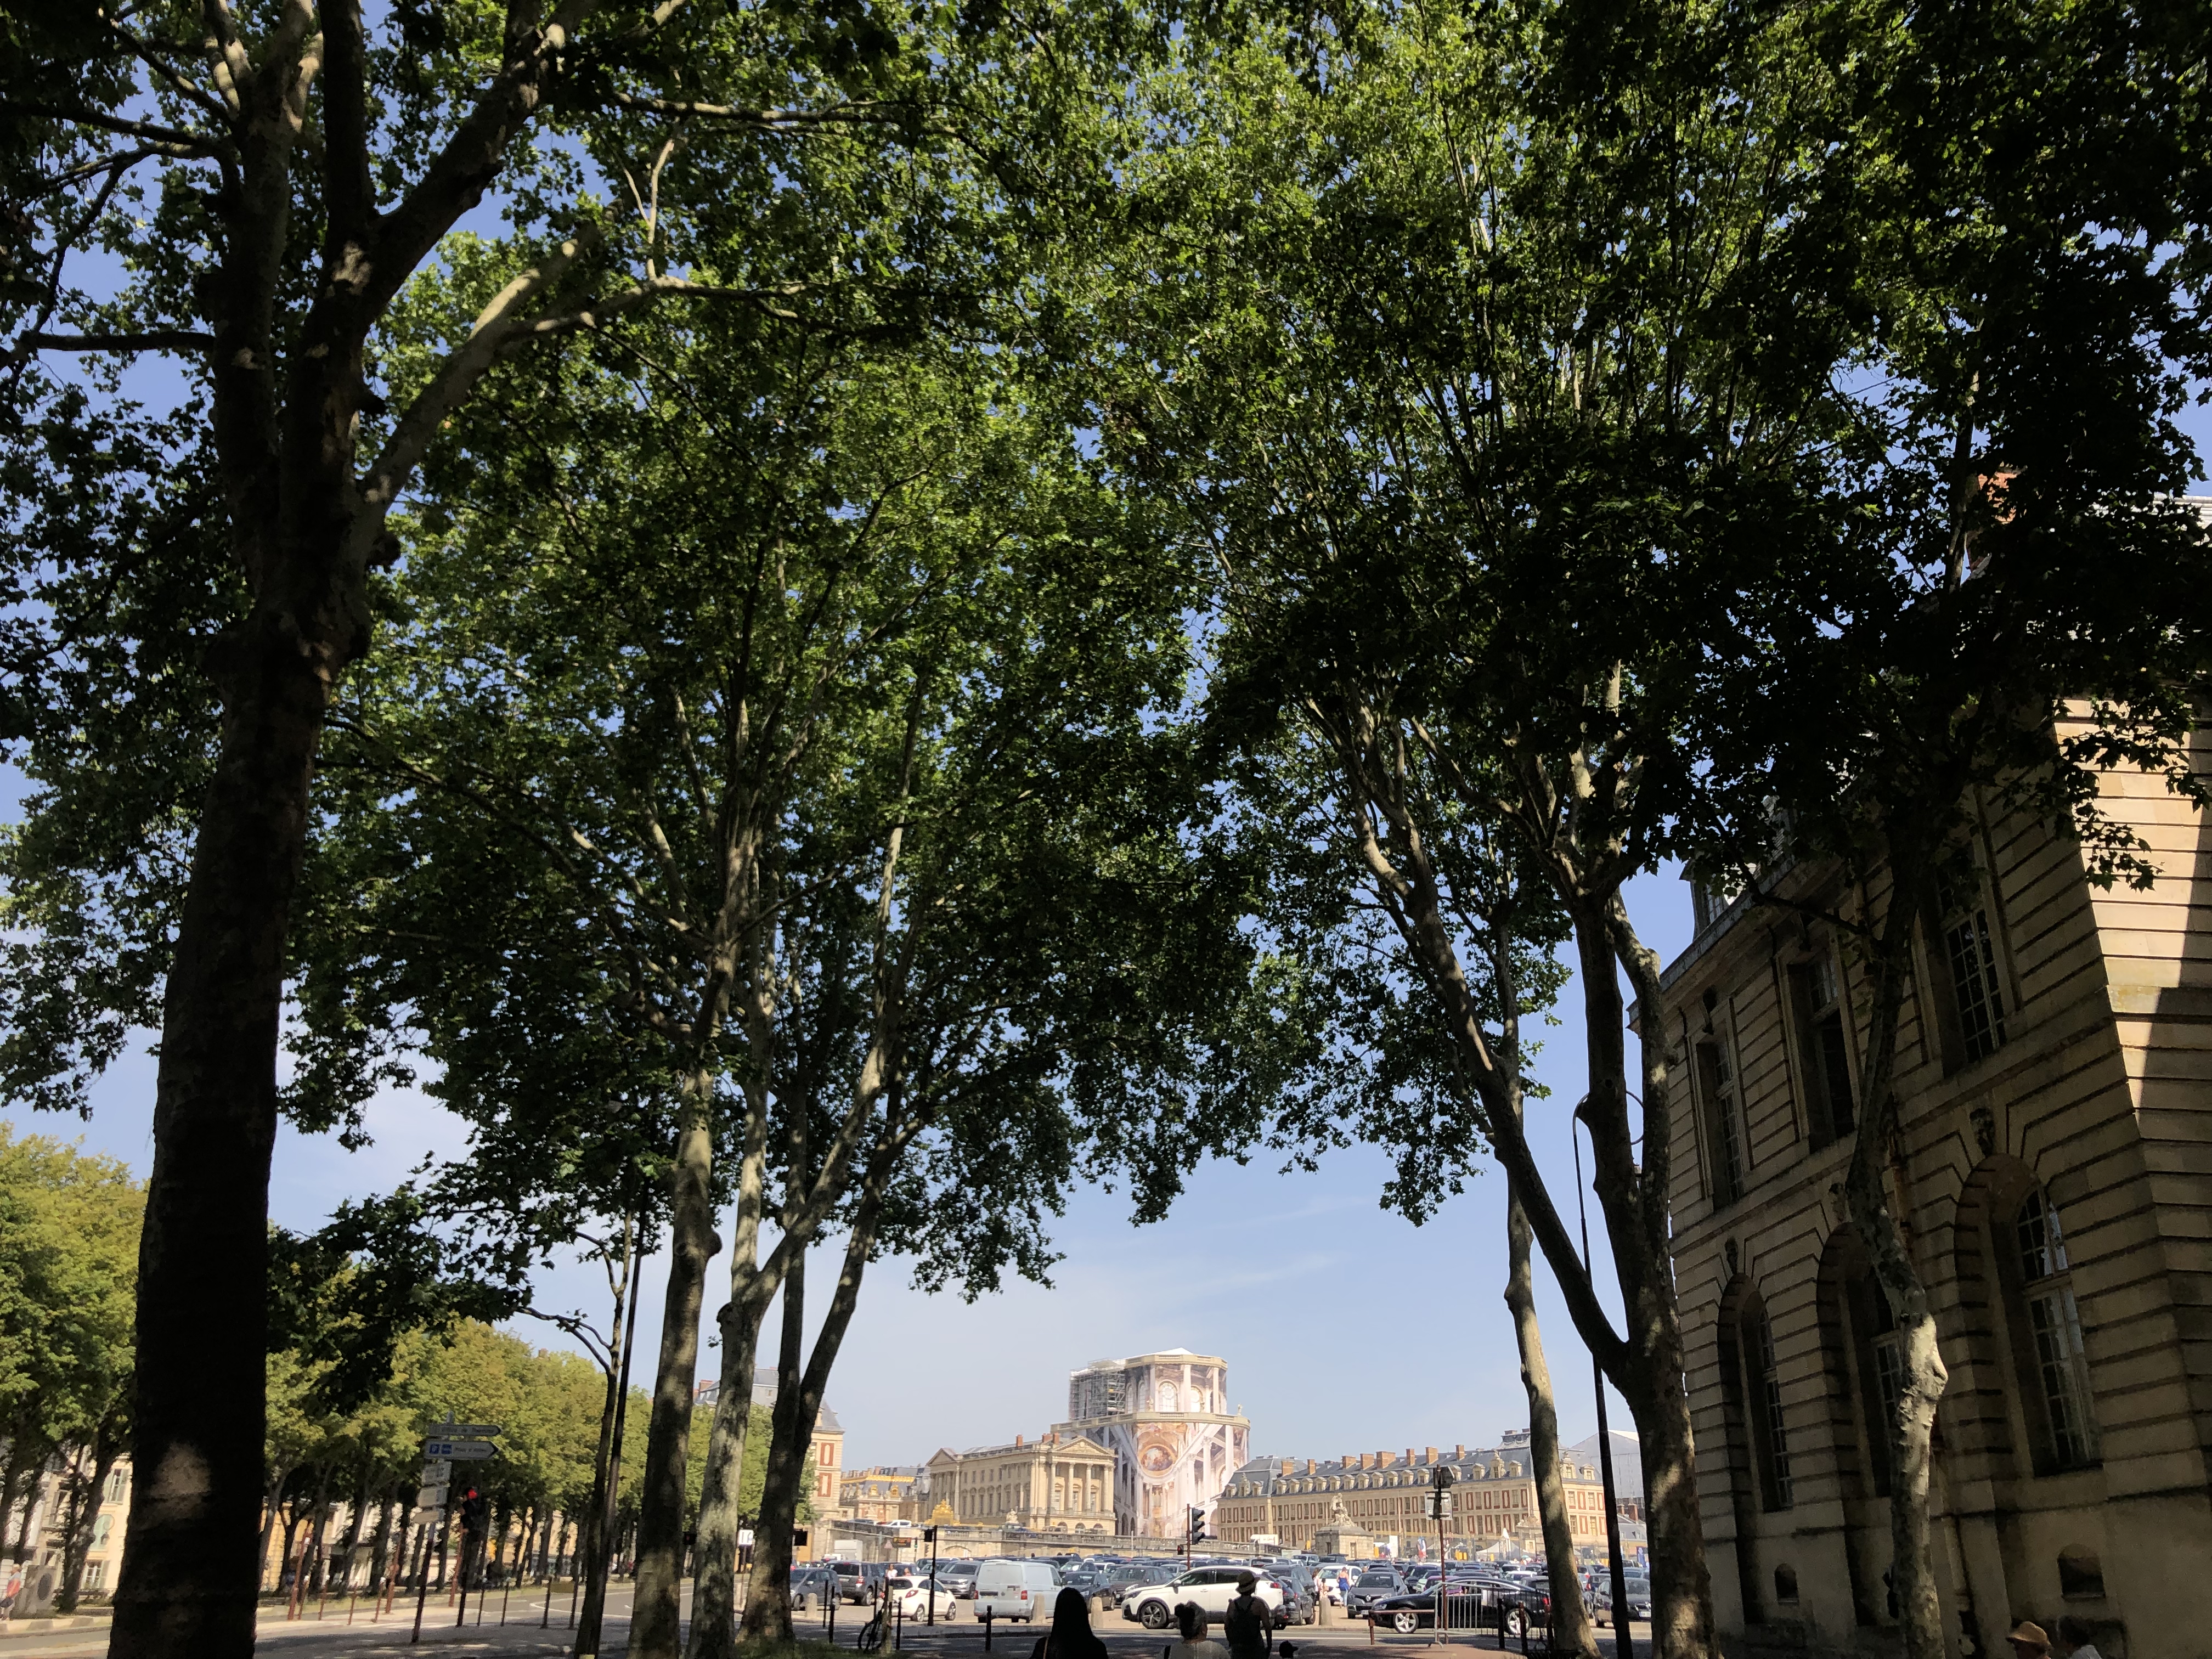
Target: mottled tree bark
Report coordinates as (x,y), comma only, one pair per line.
(655,1632)
(1572,1630)
(767,1597)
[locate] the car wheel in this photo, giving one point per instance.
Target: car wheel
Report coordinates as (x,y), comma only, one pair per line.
(1516,1622)
(1405,1623)
(1153,1615)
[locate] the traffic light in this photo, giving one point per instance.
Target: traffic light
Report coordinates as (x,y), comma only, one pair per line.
(799,1538)
(929,1535)
(1197,1526)
(476,1512)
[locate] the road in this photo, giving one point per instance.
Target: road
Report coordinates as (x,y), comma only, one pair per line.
(332,1638)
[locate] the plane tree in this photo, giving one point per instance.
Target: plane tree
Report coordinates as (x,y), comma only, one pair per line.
(1450,403)
(2005,605)
(246,191)
(791,692)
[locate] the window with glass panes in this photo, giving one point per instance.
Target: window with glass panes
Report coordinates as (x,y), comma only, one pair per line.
(1768,1401)
(1970,953)
(1719,1079)
(2055,1332)
(1827,1046)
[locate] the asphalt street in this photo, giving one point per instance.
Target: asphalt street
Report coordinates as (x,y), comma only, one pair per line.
(332,1638)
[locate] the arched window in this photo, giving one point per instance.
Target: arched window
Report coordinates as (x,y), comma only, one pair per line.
(1770,1433)
(2051,1329)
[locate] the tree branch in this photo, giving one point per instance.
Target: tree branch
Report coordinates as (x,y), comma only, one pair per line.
(160,339)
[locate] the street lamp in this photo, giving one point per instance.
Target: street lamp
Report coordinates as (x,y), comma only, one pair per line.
(1441,1477)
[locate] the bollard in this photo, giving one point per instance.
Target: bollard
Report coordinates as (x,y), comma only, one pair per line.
(1370,1623)
(987,1626)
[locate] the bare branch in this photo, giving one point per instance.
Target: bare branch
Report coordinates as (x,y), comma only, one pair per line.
(172,140)
(160,339)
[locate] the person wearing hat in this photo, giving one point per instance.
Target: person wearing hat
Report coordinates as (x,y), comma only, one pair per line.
(2028,1641)
(1248,1624)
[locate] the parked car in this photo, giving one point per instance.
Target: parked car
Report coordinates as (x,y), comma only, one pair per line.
(1639,1597)
(1123,1581)
(912,1597)
(1009,1589)
(1212,1587)
(811,1588)
(1499,1603)
(959,1577)
(1374,1582)
(852,1581)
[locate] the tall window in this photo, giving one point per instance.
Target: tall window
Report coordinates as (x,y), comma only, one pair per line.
(1972,957)
(1726,1121)
(1770,1429)
(2054,1330)
(1827,1036)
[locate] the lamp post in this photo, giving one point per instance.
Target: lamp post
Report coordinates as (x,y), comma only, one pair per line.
(1441,1477)
(929,1535)
(1624,1646)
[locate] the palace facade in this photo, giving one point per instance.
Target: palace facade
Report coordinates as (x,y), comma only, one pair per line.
(2053,1173)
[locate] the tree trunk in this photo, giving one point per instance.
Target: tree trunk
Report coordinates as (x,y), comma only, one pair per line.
(1572,1630)
(655,1630)
(188,1579)
(1636,1203)
(379,1544)
(595,1544)
(272,1505)
(714,1591)
(767,1596)
(21,1461)
(789,1466)
(1924,1375)
(356,1519)
(313,1564)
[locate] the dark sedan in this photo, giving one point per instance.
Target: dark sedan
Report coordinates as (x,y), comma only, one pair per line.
(1370,1587)
(1639,1598)
(1474,1603)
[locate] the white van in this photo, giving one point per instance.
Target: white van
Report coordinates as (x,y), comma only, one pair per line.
(1008,1589)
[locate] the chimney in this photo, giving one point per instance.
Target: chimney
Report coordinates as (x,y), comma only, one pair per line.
(1459,1451)
(1350,1460)
(1409,1453)
(1432,1454)
(1367,1459)
(1018,1440)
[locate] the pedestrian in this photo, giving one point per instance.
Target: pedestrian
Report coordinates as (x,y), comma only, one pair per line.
(1248,1624)
(1195,1643)
(2028,1641)
(8,1596)
(1071,1636)
(2073,1632)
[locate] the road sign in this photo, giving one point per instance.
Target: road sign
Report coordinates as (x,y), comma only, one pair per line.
(461,1451)
(435,1471)
(466,1430)
(431,1497)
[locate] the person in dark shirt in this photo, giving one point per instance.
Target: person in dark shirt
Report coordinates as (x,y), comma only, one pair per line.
(1248,1624)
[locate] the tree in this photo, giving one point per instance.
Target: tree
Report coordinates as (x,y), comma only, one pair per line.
(68,1248)
(1449,401)
(2006,599)
(803,751)
(271,182)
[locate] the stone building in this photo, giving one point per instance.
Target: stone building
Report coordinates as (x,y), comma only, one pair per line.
(826,1454)
(1061,1483)
(1493,1497)
(889,1493)
(1166,1419)
(2054,1168)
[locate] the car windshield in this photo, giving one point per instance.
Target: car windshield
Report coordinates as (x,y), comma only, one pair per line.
(1376,1580)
